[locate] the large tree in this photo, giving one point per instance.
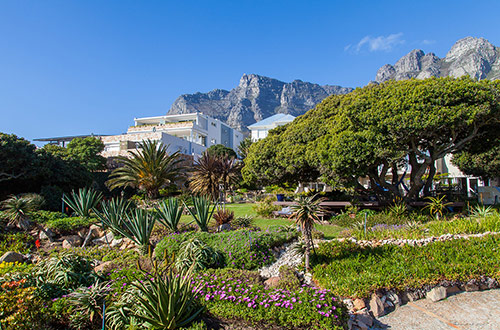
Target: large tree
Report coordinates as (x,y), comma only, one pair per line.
(382,132)
(87,152)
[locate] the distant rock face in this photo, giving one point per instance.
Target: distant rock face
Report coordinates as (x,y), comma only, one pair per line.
(256,98)
(475,57)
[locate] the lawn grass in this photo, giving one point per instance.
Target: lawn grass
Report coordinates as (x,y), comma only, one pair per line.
(247,209)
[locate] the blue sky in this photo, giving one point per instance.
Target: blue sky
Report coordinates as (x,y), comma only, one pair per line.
(80,67)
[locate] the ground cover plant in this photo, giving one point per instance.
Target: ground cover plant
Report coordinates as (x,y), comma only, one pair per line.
(350,270)
(241,249)
(239,294)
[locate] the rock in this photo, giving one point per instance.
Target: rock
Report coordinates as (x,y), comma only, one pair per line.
(471,286)
(359,304)
(376,306)
(364,317)
(348,303)
(475,57)
(106,239)
(72,241)
(46,234)
(82,233)
(452,290)
(12,256)
(272,282)
(105,267)
(409,296)
(394,298)
(115,242)
(436,294)
(491,283)
(224,227)
(96,231)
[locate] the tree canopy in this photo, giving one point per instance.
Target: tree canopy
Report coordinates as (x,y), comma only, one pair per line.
(220,150)
(380,132)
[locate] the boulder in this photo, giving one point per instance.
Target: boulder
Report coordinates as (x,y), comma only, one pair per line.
(452,290)
(108,238)
(224,227)
(46,234)
(12,256)
(116,242)
(376,306)
(105,267)
(471,286)
(436,294)
(96,231)
(72,241)
(364,317)
(359,304)
(272,282)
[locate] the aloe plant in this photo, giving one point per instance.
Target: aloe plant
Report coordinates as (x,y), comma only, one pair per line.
(201,211)
(170,213)
(482,211)
(198,255)
(167,301)
(437,206)
(83,202)
(138,226)
(113,213)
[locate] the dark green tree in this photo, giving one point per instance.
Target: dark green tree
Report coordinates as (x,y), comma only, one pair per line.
(220,150)
(380,132)
(87,152)
(244,147)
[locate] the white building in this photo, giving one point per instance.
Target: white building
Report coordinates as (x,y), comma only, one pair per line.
(191,134)
(261,128)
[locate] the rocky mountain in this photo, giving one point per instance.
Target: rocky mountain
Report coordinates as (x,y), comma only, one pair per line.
(255,98)
(475,57)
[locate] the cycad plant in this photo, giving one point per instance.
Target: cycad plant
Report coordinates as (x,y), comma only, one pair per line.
(138,227)
(305,213)
(17,209)
(149,168)
(201,211)
(168,300)
(169,213)
(83,202)
(113,213)
(437,206)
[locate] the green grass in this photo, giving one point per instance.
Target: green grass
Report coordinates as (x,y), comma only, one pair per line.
(240,210)
(350,270)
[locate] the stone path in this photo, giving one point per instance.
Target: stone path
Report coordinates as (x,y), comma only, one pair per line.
(287,256)
(466,311)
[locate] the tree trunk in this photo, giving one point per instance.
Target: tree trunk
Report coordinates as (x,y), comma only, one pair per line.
(430,179)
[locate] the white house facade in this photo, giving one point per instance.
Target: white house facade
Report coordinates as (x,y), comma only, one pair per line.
(191,134)
(261,128)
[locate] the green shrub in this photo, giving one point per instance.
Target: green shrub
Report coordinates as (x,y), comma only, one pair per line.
(243,222)
(17,242)
(349,270)
(242,249)
(69,224)
(288,279)
(44,217)
(265,207)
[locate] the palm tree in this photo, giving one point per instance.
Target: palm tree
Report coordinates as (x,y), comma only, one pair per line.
(150,168)
(17,209)
(305,213)
(212,174)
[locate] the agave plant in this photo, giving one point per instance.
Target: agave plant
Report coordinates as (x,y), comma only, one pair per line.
(201,211)
(170,213)
(198,255)
(88,301)
(482,211)
(305,213)
(437,206)
(113,213)
(151,168)
(138,227)
(17,209)
(167,301)
(83,202)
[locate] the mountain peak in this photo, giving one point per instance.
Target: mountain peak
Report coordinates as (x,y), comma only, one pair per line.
(475,57)
(255,98)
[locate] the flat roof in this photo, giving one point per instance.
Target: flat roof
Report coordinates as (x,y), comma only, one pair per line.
(66,138)
(279,118)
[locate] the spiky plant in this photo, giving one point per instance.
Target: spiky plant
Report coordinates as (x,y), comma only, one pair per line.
(17,209)
(201,211)
(88,301)
(149,168)
(482,211)
(196,254)
(169,213)
(137,227)
(437,206)
(113,213)
(83,202)
(305,213)
(223,216)
(168,300)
